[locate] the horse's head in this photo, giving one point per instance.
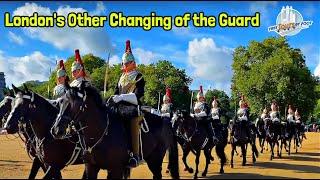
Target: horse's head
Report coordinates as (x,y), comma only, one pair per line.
(6,104)
(73,110)
(186,124)
(21,108)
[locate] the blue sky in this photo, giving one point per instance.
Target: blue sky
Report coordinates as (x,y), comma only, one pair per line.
(205,53)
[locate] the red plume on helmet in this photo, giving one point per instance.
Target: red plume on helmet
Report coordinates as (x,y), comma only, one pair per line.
(61,65)
(128,47)
(168,94)
(78,59)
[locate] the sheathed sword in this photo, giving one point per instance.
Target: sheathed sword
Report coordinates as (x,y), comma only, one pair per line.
(105,77)
(191,103)
(159,101)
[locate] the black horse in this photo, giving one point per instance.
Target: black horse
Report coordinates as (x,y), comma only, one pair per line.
(244,134)
(104,137)
(195,139)
(5,108)
(261,132)
(36,112)
(274,135)
(287,135)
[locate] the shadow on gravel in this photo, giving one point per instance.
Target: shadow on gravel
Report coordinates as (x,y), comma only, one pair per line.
(301,158)
(308,154)
(11,161)
(243,176)
(285,166)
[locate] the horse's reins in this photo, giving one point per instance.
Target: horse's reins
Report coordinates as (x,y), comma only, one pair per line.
(193,133)
(39,142)
(80,135)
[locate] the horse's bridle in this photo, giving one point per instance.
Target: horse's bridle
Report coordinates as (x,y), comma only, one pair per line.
(79,131)
(22,125)
(193,133)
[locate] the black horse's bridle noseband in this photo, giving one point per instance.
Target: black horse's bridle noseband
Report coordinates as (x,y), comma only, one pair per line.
(79,131)
(184,136)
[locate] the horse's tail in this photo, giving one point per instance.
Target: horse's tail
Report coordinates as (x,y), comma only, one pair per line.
(174,158)
(127,173)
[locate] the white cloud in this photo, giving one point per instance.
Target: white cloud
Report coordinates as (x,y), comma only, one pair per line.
(311,51)
(15,38)
(88,40)
(146,57)
(17,70)
(114,60)
(264,7)
(210,63)
(100,9)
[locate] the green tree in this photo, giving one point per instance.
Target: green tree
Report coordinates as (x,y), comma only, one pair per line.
(269,70)
(163,74)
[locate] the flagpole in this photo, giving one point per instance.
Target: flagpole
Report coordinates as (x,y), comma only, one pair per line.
(159,101)
(105,77)
(49,82)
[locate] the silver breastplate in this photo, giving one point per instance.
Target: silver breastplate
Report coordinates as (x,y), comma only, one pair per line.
(165,108)
(127,82)
(59,91)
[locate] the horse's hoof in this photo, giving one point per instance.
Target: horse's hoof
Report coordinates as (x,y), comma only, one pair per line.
(190,170)
(221,171)
(204,174)
(211,158)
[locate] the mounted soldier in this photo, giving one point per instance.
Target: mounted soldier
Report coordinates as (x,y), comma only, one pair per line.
(262,121)
(202,115)
(167,106)
(130,90)
(290,123)
(242,117)
(299,124)
(78,71)
(216,111)
(62,78)
(274,114)
(216,117)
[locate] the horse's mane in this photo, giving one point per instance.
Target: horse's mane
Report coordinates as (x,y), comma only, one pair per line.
(92,91)
(43,101)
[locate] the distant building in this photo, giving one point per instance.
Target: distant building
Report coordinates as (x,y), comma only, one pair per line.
(2,85)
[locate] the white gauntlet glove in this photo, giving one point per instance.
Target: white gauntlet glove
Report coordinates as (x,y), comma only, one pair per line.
(117,98)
